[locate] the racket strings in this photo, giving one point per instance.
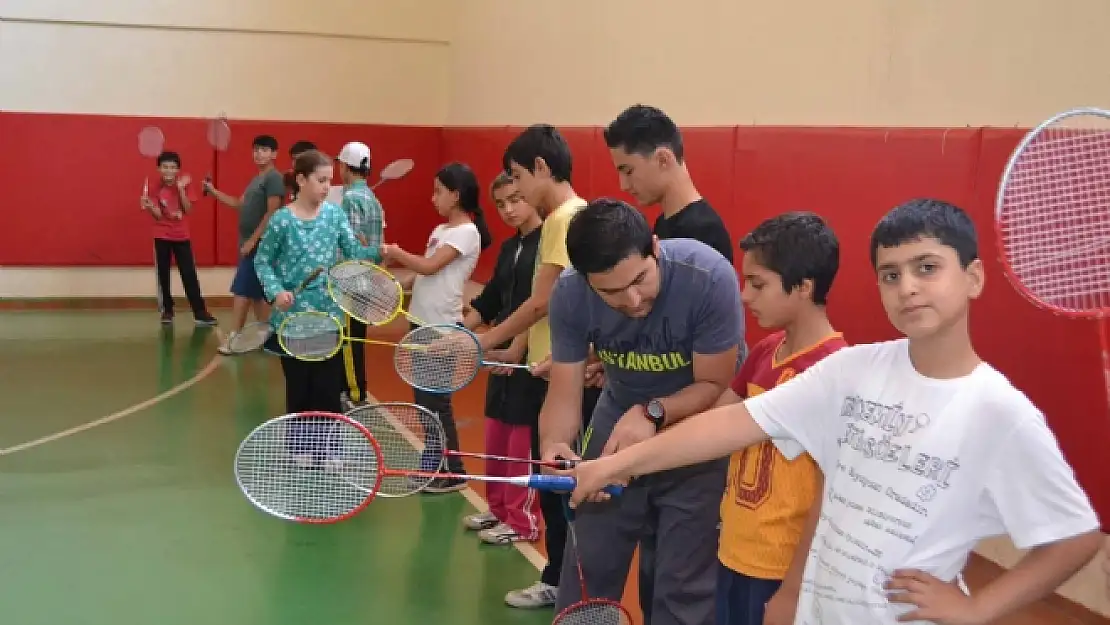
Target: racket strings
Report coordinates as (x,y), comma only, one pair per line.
(310,336)
(410,439)
(308,468)
(151,141)
(593,612)
(1054,222)
(437,358)
(219,134)
(366,293)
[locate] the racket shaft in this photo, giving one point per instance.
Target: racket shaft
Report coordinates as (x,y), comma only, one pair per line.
(555,483)
(486,363)
(558,464)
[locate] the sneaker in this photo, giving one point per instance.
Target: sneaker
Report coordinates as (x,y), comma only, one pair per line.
(205,319)
(500,534)
(225,348)
(538,595)
(479,521)
(445,485)
(167,318)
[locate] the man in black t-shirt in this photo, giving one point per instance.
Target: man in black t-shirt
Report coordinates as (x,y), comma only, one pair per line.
(646,147)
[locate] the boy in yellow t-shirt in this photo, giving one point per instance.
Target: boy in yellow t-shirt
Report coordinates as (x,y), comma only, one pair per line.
(771,505)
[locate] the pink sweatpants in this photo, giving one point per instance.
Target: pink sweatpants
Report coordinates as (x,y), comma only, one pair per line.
(515,506)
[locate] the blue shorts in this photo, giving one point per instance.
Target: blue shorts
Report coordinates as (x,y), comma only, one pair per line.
(246,283)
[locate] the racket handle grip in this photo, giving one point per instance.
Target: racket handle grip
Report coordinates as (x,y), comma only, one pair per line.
(565,483)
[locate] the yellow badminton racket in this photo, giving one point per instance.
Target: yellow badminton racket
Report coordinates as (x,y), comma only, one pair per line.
(314,335)
(367,292)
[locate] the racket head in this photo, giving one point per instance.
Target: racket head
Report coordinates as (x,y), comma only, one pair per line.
(397,169)
(151,141)
(1052,221)
(219,133)
(365,291)
(438,358)
(310,467)
(411,438)
(252,337)
(594,612)
(310,335)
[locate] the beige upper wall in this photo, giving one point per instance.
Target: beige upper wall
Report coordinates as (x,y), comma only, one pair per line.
(797,62)
(362,61)
(494,62)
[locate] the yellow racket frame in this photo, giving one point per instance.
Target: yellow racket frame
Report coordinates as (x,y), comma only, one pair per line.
(344,337)
(337,296)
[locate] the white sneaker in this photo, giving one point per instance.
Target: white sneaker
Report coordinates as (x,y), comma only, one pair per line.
(499,534)
(479,521)
(538,595)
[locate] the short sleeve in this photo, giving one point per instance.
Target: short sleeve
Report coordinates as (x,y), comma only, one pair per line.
(274,184)
(719,320)
(465,239)
(568,324)
(1033,490)
(802,413)
(553,240)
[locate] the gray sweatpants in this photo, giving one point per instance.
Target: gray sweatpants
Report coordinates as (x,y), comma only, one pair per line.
(672,517)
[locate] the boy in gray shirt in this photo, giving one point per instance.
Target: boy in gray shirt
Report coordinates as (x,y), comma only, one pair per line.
(666,320)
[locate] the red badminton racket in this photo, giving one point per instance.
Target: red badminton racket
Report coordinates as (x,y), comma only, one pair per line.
(587,610)
(1052,219)
(322,467)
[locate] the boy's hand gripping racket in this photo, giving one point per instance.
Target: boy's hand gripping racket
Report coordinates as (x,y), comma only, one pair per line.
(320,467)
(254,335)
(1052,218)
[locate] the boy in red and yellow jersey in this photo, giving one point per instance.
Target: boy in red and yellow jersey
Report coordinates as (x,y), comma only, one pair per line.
(771,504)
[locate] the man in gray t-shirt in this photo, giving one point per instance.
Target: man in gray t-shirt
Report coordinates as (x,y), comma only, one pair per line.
(666,320)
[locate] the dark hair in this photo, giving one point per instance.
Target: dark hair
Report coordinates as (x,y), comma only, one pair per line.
(540,141)
(169,157)
(265,141)
(798,246)
(308,162)
(606,232)
(301,147)
(642,129)
(927,218)
(502,180)
(458,177)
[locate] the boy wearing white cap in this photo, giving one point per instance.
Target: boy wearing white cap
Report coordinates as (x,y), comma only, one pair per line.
(365,214)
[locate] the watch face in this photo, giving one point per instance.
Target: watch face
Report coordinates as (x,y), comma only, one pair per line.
(655,409)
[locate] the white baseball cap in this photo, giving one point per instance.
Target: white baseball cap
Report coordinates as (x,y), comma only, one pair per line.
(355,154)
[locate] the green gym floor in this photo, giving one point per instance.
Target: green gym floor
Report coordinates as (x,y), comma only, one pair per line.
(119,506)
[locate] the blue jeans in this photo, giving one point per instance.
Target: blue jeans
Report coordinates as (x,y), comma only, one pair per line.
(742,599)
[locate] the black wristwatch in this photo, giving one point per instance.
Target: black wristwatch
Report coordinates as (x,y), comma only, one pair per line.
(656,413)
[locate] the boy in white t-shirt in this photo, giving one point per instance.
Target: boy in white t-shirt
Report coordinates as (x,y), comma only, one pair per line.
(925,449)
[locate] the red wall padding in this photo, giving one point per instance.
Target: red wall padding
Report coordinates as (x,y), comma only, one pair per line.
(71,185)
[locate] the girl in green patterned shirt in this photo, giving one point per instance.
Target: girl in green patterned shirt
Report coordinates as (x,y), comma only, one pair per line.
(306,234)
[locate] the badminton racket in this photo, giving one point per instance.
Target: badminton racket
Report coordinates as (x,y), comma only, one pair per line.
(314,336)
(219,137)
(254,335)
(587,610)
(151,144)
(1052,219)
(320,467)
(367,292)
(397,169)
(412,437)
(441,358)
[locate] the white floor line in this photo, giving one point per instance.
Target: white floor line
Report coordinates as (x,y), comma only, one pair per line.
(130,410)
(529,552)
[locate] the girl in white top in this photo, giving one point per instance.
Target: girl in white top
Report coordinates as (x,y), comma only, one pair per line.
(441,273)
